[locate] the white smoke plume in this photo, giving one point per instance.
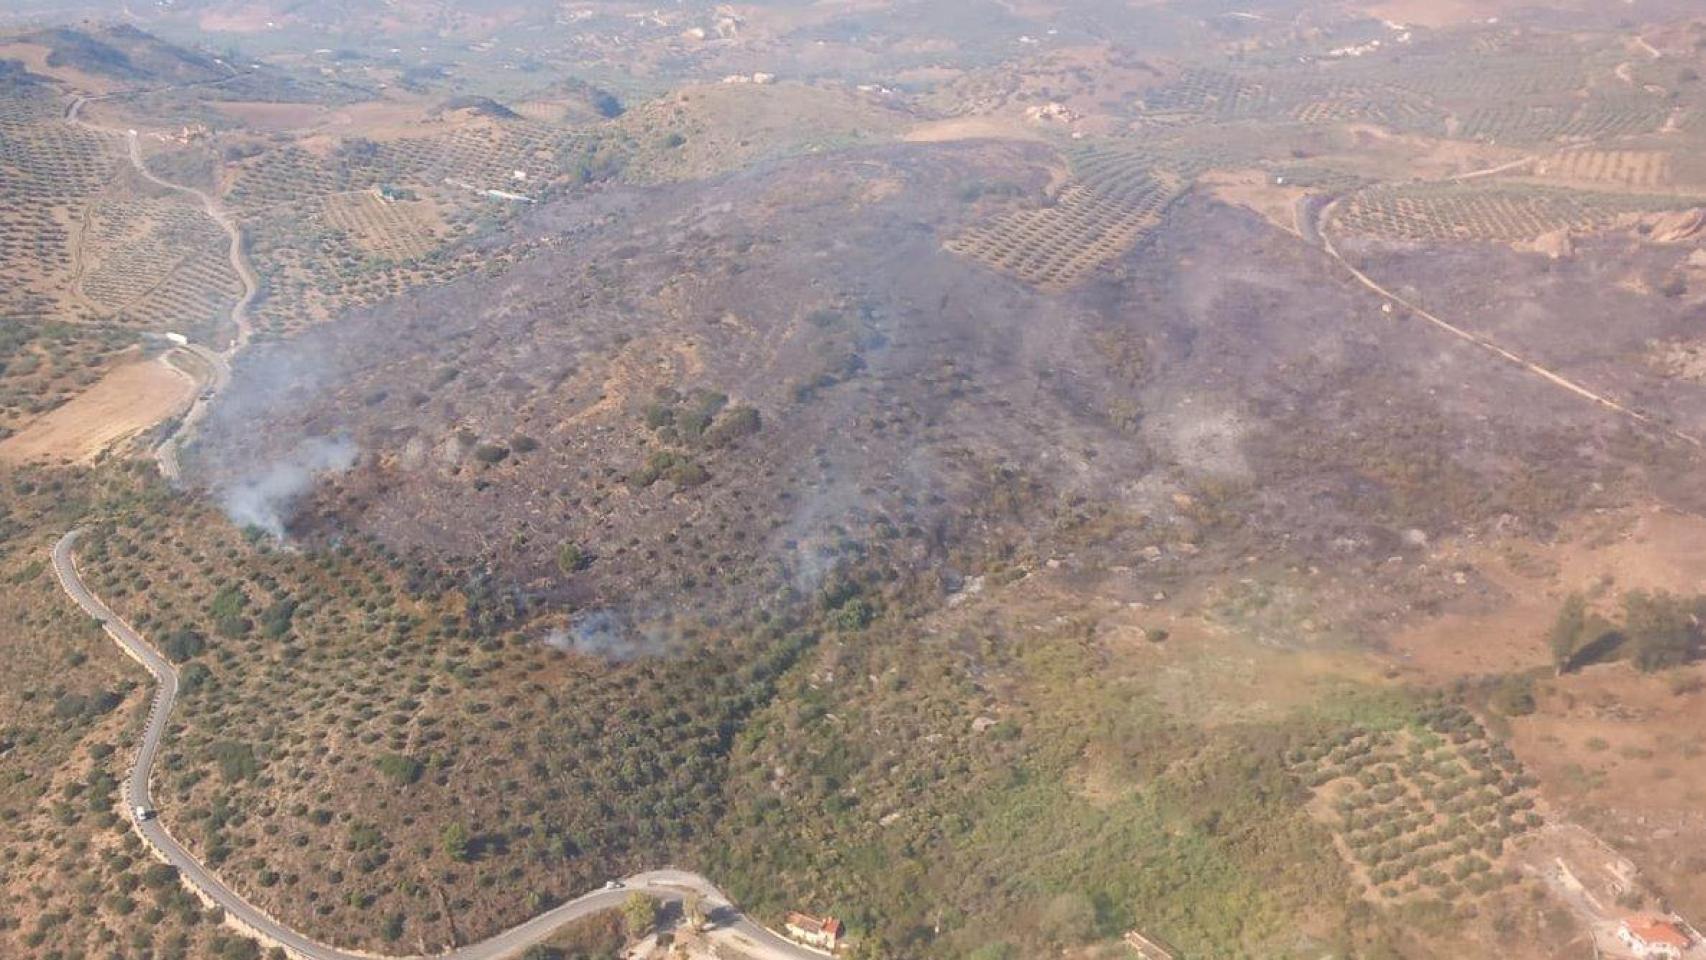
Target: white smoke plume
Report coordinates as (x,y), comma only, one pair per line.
(607,635)
(264,498)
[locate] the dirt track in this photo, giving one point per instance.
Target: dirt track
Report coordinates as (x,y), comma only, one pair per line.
(167,454)
(1394,300)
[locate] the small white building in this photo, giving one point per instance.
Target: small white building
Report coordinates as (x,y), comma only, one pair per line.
(822,932)
(1651,936)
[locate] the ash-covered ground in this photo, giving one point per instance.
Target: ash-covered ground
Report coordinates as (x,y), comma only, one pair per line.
(708,393)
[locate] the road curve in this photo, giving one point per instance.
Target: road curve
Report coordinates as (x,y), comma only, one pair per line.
(167,452)
(729,926)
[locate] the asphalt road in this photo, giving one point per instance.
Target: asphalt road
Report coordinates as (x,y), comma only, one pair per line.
(219,376)
(728,925)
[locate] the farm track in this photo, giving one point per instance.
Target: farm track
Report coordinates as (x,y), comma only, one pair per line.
(1317,228)
(668,886)
(220,363)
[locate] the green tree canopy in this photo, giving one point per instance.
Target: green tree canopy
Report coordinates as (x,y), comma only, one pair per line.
(640,912)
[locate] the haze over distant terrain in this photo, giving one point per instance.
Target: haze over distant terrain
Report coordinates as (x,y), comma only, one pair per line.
(1177,479)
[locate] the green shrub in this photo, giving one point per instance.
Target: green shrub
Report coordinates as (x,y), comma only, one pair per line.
(182,644)
(400,769)
(735,424)
(668,465)
(1662,629)
(640,913)
(456,843)
(275,622)
(570,558)
(228,602)
(236,760)
(1514,697)
(193,677)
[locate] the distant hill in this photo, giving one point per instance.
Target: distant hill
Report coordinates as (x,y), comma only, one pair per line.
(16,79)
(125,53)
(484,106)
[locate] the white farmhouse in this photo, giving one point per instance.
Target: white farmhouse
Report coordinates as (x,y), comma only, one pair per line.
(1650,936)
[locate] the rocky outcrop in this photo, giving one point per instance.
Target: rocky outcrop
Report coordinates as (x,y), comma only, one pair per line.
(1680,226)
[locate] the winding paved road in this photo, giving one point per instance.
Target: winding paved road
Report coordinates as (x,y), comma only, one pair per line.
(730,927)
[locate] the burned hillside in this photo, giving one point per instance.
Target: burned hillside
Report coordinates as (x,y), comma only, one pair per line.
(700,395)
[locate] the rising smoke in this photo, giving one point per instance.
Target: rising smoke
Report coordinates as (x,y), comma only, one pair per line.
(265,497)
(608,635)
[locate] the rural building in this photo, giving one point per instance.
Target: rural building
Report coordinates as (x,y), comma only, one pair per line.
(1652,936)
(813,931)
(1147,947)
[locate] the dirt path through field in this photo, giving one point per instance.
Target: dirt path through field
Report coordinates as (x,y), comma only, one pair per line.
(1556,379)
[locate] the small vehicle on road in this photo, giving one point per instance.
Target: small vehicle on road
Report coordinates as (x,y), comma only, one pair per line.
(142,813)
(613,884)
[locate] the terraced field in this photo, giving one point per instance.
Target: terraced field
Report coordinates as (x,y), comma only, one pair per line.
(1213,95)
(325,238)
(1489,69)
(1114,201)
(486,155)
(50,161)
(1426,810)
(44,365)
(158,264)
(1598,118)
(483,155)
(284,175)
(324,254)
(52,345)
(1437,213)
(48,171)
(1629,168)
(393,230)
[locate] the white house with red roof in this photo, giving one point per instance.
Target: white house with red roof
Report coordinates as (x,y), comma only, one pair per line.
(1652,936)
(821,932)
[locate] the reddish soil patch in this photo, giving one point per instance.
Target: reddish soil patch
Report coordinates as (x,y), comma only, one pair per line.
(1604,556)
(1619,751)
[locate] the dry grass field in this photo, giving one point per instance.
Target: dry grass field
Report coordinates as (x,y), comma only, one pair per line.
(125,402)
